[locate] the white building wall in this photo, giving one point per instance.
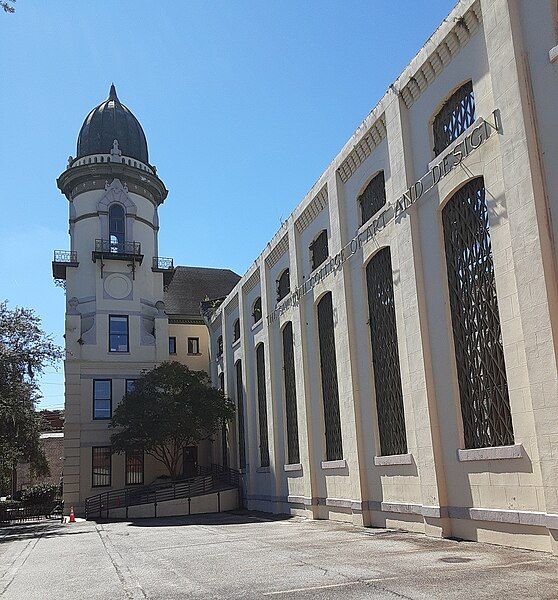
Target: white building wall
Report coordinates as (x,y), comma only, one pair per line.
(502,496)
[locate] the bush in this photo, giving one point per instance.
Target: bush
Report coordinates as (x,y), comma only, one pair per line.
(9,504)
(42,493)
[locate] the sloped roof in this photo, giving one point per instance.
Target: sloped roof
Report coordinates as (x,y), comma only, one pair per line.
(189,286)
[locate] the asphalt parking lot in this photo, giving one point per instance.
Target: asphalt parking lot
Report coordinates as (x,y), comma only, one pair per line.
(251,555)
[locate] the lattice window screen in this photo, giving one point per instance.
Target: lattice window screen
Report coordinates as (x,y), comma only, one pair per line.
(477,337)
(456,115)
(240,412)
(262,406)
(293,454)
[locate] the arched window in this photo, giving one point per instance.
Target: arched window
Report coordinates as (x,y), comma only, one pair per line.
(236,330)
(283,285)
(257,309)
(224,440)
(385,355)
(262,406)
(293,454)
(477,338)
(220,345)
(456,115)
(240,413)
(373,198)
(319,250)
(330,388)
(116,227)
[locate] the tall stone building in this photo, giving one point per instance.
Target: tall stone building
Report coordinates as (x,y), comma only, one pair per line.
(127,308)
(393,350)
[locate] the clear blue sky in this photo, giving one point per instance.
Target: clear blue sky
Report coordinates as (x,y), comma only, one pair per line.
(244,104)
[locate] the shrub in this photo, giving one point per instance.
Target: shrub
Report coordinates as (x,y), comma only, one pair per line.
(42,493)
(9,504)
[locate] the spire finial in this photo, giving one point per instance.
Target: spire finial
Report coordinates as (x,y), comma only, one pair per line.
(112,92)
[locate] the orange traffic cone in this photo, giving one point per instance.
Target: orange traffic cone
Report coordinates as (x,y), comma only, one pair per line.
(72,518)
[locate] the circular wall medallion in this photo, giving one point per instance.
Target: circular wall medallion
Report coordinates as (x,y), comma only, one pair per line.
(118,286)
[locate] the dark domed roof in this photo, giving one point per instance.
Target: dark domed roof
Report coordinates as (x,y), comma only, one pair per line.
(110,121)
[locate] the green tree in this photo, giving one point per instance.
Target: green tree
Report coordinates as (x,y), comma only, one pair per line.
(25,350)
(169,408)
(5,4)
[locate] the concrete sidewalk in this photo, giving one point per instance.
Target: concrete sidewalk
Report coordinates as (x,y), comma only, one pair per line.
(252,555)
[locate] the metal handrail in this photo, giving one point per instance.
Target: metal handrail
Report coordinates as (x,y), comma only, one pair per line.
(207,480)
(110,247)
(163,264)
(65,256)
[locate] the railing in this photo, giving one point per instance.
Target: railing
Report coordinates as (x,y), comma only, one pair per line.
(65,256)
(162,264)
(110,247)
(207,480)
(21,514)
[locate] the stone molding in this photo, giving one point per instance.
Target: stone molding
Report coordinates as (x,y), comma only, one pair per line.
(393,459)
(494,453)
(318,203)
(363,149)
(334,464)
(277,251)
(296,467)
(438,59)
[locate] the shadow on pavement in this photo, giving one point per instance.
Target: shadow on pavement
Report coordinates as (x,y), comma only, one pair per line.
(225,518)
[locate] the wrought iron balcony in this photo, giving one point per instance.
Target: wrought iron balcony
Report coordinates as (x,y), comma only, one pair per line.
(111,250)
(161,264)
(63,259)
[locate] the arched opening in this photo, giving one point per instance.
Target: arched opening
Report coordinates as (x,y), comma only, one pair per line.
(262,406)
(372,198)
(116,227)
(456,116)
(283,285)
(257,310)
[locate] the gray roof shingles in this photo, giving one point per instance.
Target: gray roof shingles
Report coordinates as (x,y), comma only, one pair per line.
(190,285)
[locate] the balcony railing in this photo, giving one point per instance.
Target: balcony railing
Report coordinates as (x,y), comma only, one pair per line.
(109,247)
(61,260)
(162,264)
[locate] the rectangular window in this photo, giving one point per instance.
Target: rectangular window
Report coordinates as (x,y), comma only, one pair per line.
(373,198)
(293,454)
(172,345)
(134,467)
(118,333)
(240,413)
(319,250)
(130,383)
(100,466)
(102,398)
(193,345)
(262,406)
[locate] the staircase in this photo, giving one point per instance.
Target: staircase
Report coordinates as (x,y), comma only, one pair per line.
(213,489)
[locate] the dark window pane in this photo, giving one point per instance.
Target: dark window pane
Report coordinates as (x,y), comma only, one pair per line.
(130,383)
(172,345)
(330,389)
(257,311)
(477,338)
(373,197)
(240,412)
(224,437)
(455,116)
(293,455)
(385,354)
(283,285)
(118,333)
(193,345)
(262,406)
(220,345)
(134,467)
(100,466)
(319,250)
(102,399)
(236,330)
(116,226)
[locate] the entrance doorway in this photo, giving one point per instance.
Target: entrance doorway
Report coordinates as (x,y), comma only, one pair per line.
(190,461)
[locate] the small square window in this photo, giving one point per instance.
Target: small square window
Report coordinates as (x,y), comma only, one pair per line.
(193,345)
(102,399)
(118,333)
(172,345)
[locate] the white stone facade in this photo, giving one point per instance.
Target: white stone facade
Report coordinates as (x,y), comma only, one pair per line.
(507,494)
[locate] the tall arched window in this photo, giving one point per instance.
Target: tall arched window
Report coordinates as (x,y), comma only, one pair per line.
(373,197)
(319,250)
(116,227)
(456,115)
(262,406)
(240,413)
(330,388)
(236,330)
(385,354)
(257,310)
(283,285)
(224,440)
(477,338)
(293,454)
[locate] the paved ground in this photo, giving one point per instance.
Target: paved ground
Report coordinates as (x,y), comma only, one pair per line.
(252,556)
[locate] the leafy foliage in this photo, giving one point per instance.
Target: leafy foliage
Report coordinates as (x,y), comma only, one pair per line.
(42,493)
(169,408)
(6,6)
(24,352)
